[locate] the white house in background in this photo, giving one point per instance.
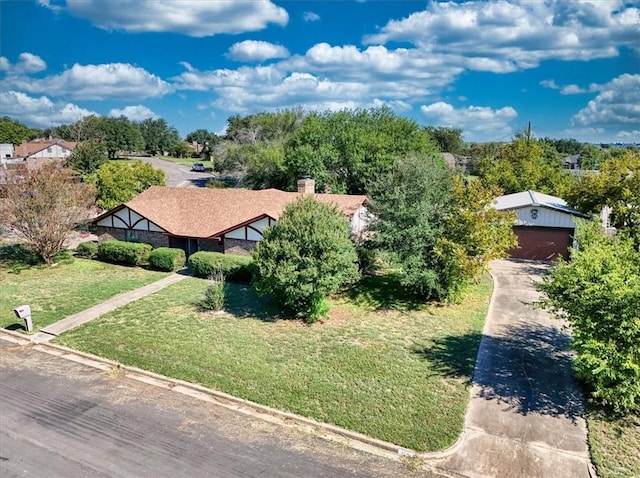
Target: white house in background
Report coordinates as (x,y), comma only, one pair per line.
(545,225)
(40,151)
(6,152)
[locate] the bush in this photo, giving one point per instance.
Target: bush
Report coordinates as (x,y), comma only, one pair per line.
(234,268)
(126,253)
(87,249)
(598,293)
(167,259)
(63,257)
(305,257)
(214,293)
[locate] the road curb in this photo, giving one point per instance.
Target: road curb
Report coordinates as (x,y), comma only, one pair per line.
(326,431)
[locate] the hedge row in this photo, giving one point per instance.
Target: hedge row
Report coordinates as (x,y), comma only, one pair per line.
(235,268)
(126,253)
(167,259)
(87,249)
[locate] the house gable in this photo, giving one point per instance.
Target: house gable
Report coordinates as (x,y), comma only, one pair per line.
(126,218)
(250,231)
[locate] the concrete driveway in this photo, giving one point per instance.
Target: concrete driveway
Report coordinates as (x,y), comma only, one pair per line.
(525,417)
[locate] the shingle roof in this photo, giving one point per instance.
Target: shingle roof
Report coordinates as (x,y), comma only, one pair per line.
(208,212)
(533,198)
(37,145)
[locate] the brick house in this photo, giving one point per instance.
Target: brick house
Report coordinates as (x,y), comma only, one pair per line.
(205,219)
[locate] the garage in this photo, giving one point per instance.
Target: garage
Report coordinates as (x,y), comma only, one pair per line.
(544,225)
(542,243)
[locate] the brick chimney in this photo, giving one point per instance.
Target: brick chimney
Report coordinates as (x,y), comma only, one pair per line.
(306,185)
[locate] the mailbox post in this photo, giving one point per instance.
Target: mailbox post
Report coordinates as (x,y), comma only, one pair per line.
(24,312)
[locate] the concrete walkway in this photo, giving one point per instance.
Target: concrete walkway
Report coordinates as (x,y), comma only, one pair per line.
(525,416)
(72,321)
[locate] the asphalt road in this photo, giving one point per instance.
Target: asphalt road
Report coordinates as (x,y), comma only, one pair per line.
(63,419)
(177,174)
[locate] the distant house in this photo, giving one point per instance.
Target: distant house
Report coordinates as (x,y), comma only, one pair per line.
(39,151)
(450,159)
(545,225)
(204,219)
(571,163)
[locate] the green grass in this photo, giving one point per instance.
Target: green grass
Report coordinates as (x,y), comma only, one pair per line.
(397,373)
(614,443)
(58,291)
(188,161)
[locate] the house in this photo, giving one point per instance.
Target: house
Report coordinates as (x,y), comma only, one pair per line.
(205,219)
(39,151)
(545,224)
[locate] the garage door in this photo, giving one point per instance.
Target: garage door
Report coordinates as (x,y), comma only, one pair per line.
(542,243)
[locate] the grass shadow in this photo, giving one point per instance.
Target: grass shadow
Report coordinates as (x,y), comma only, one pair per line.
(242,301)
(384,292)
(528,368)
(17,257)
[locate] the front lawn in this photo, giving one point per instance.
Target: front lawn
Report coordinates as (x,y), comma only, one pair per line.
(56,292)
(614,443)
(396,371)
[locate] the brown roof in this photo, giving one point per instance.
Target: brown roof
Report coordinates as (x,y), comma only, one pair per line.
(208,212)
(37,145)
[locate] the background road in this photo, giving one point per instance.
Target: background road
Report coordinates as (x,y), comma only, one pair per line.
(177,174)
(62,419)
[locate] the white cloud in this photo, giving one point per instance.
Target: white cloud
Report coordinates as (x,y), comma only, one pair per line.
(504,36)
(134,113)
(617,103)
(549,84)
(27,63)
(629,136)
(477,122)
(252,50)
(41,112)
(196,18)
(572,90)
(310,17)
(95,82)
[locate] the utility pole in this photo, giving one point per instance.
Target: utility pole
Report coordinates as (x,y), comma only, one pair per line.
(528,132)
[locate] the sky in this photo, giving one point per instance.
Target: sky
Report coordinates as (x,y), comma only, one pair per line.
(571,68)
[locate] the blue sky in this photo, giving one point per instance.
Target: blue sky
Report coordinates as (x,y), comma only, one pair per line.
(572,68)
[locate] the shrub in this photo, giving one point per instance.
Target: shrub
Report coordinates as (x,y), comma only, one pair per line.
(598,293)
(167,259)
(234,268)
(87,249)
(126,253)
(306,256)
(63,257)
(214,293)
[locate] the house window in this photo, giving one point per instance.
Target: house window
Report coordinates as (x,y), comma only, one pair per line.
(49,150)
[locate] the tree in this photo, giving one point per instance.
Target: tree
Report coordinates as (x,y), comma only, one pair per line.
(158,136)
(120,134)
(591,157)
(117,182)
(448,140)
(307,255)
(88,156)
(345,150)
(43,205)
(617,186)
(14,132)
(439,229)
(598,293)
(202,136)
(525,164)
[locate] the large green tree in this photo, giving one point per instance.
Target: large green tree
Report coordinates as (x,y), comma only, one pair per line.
(617,186)
(441,230)
(307,255)
(448,140)
(88,156)
(598,293)
(43,205)
(120,134)
(525,164)
(158,136)
(14,132)
(345,150)
(117,182)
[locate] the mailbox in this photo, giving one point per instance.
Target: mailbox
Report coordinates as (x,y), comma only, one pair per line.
(24,312)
